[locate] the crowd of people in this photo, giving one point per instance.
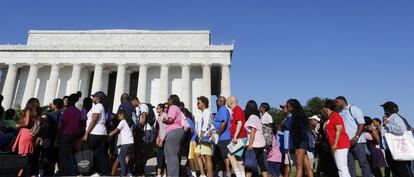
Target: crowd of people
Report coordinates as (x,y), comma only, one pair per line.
(230,142)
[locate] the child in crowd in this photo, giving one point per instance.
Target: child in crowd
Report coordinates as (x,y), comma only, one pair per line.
(127,140)
(9,119)
(274,155)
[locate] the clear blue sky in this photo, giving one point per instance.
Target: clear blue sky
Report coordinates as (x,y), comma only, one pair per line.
(363,50)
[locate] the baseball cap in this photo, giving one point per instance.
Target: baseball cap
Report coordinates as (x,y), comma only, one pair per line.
(99,94)
(315,117)
(389,105)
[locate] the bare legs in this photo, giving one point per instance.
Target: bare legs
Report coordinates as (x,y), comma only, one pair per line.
(209,163)
(302,161)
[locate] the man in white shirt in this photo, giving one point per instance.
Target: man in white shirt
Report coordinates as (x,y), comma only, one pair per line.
(267,123)
(266,118)
(141,110)
(141,125)
(354,125)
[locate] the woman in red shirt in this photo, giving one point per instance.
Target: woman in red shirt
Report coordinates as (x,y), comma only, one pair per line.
(338,138)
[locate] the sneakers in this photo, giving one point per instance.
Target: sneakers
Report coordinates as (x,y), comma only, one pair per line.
(95,175)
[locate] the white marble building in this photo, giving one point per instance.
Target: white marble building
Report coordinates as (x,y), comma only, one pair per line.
(149,64)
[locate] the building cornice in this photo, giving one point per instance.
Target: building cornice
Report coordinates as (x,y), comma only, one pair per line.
(211,48)
(118,31)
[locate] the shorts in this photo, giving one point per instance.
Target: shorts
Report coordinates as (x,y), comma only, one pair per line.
(191,149)
(222,145)
(300,145)
(240,152)
(204,149)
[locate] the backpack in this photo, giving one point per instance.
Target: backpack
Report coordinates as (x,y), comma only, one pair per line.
(151,114)
(409,127)
(150,117)
(150,135)
(350,112)
(268,134)
(184,123)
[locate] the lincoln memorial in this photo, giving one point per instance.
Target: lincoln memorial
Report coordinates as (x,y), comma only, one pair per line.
(149,64)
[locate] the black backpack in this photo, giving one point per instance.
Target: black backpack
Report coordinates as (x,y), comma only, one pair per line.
(150,135)
(151,114)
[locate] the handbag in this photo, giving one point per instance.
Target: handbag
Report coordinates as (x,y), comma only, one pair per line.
(38,126)
(210,136)
(250,161)
(401,146)
(84,159)
(34,131)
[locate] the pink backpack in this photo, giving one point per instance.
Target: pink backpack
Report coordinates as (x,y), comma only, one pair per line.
(184,122)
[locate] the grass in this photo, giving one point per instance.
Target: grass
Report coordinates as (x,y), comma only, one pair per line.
(358,169)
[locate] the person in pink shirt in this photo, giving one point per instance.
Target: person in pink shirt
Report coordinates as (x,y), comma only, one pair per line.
(256,141)
(274,156)
(174,135)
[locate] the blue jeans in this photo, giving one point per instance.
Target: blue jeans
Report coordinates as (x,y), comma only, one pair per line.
(122,158)
(274,168)
(412,167)
(358,152)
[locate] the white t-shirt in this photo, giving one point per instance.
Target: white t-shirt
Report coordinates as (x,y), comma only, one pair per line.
(126,133)
(99,128)
(266,118)
(202,123)
(141,109)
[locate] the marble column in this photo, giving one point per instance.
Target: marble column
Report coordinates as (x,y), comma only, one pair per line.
(127,81)
(8,87)
(207,81)
(164,83)
(105,80)
(185,84)
(97,78)
(74,80)
(52,84)
(119,86)
(30,88)
(142,83)
(225,80)
(3,70)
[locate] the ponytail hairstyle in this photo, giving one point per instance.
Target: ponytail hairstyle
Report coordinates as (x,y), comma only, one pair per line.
(127,116)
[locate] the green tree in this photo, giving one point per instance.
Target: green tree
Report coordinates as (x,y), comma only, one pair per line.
(277,115)
(314,106)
